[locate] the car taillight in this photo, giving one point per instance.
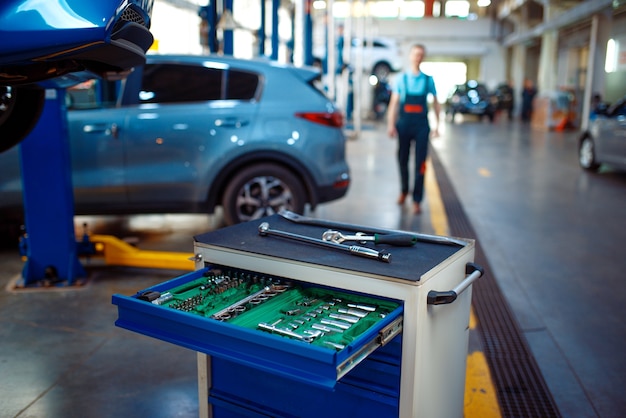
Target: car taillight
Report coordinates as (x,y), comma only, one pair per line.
(341,184)
(334,119)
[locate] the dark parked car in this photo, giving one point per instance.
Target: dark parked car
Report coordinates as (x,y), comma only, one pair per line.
(471,98)
(605,139)
(505,99)
(42,40)
(189,133)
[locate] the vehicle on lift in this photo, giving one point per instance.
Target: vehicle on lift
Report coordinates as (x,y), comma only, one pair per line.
(604,142)
(471,98)
(381,56)
(188,133)
(58,37)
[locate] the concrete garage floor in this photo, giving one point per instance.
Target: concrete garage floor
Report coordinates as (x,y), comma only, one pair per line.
(552,233)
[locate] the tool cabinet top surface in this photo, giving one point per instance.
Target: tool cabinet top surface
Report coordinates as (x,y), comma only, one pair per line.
(408,263)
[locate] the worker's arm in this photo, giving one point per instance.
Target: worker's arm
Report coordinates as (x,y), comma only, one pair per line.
(392,115)
(437,109)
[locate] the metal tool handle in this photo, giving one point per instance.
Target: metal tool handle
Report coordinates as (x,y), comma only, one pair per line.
(381,255)
(434,297)
(264,230)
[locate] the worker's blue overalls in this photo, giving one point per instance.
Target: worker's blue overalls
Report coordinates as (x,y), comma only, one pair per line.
(412,126)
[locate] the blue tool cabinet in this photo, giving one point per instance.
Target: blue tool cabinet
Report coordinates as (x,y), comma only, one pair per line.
(411,363)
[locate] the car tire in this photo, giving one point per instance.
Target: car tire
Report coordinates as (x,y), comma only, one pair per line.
(20,109)
(587,153)
(380,108)
(262,190)
(10,232)
(382,70)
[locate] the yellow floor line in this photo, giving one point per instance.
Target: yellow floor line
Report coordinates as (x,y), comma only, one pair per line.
(480,393)
(473,321)
(437,212)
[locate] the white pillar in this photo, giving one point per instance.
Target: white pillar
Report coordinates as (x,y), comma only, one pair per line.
(331,48)
(518,64)
(546,80)
(594,83)
(298,35)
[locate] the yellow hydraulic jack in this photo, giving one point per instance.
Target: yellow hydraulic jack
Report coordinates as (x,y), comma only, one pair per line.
(117,252)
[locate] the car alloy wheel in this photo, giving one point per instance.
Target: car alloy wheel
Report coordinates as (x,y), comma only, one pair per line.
(262,190)
(382,71)
(587,154)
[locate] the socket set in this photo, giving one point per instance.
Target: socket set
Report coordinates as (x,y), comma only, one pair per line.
(298,311)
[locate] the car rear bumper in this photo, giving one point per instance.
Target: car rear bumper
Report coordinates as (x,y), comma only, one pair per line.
(335,191)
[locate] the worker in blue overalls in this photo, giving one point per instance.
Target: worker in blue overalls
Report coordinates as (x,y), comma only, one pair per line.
(407,119)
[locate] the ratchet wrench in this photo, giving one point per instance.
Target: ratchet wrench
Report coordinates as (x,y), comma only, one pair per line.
(400,240)
(384,256)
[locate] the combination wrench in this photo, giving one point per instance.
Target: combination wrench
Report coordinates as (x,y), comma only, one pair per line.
(382,255)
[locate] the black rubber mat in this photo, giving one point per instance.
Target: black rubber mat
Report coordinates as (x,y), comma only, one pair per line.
(409,263)
(521,390)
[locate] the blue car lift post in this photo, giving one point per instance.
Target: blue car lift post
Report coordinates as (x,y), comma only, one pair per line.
(50,242)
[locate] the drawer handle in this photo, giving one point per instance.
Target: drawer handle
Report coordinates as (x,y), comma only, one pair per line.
(474,271)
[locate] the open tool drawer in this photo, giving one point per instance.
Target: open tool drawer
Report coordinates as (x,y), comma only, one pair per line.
(307,332)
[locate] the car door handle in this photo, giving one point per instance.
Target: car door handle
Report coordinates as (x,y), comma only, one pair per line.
(231,123)
(105,128)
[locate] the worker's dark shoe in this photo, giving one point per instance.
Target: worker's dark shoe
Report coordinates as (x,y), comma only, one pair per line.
(402,198)
(417,209)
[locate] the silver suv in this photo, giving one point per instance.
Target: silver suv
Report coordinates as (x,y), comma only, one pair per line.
(605,140)
(190,133)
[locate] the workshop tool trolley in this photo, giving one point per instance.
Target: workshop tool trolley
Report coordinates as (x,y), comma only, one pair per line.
(292,316)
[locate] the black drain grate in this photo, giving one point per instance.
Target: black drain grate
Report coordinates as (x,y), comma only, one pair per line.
(521,390)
